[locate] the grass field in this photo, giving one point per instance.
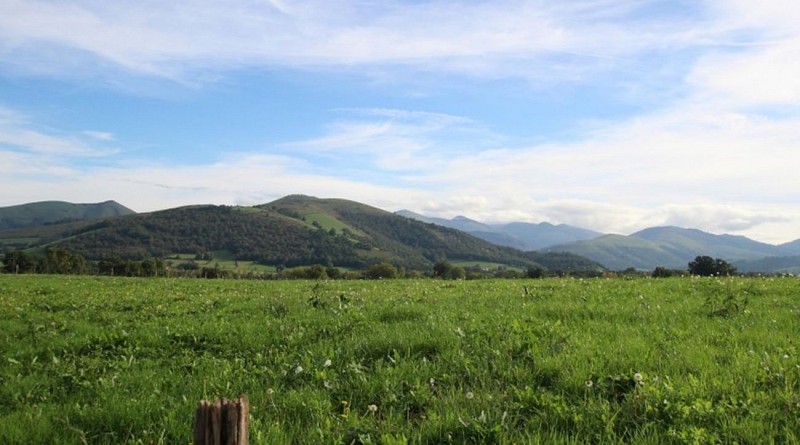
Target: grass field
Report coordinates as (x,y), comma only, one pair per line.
(683,360)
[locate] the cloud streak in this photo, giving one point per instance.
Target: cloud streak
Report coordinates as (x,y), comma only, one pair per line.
(543,41)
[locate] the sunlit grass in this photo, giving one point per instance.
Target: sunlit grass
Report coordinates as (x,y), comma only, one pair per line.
(114,360)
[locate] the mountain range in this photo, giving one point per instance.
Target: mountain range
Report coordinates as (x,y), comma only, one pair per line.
(292,231)
(519,235)
(671,247)
(299,229)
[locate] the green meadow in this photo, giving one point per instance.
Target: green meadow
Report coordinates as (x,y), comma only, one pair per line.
(87,360)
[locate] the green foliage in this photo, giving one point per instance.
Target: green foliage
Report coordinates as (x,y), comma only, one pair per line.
(728,300)
(661,272)
(126,360)
(19,262)
(705,266)
(381,270)
(534,272)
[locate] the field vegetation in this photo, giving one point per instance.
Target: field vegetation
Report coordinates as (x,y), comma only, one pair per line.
(673,360)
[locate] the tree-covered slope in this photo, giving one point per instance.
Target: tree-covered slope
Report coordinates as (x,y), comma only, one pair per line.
(300,230)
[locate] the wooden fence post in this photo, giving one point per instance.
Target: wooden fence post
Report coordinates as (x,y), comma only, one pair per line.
(222,422)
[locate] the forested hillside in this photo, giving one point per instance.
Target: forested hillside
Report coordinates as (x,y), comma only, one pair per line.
(292,231)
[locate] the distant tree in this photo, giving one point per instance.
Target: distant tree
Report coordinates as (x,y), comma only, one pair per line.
(441,269)
(61,261)
(705,266)
(456,273)
(381,270)
(534,272)
(661,272)
(333,272)
(18,262)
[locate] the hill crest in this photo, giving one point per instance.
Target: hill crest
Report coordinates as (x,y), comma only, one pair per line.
(51,212)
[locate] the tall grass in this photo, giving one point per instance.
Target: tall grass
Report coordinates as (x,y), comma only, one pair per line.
(685,360)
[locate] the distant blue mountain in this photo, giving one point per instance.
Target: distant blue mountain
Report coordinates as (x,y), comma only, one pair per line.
(519,235)
(674,247)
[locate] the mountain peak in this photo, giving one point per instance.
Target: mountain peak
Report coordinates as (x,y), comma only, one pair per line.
(49,212)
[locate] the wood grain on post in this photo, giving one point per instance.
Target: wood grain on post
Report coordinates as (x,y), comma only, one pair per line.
(222,422)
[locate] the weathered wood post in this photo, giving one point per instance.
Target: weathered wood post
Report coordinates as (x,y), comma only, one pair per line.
(222,422)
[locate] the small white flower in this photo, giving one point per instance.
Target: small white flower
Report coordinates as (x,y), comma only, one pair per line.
(432,381)
(299,369)
(589,383)
(373,408)
(785,356)
(470,395)
(327,363)
(270,391)
(638,378)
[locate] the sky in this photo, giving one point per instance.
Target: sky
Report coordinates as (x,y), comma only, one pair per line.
(612,115)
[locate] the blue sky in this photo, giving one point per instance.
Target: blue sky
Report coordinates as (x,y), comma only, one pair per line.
(614,115)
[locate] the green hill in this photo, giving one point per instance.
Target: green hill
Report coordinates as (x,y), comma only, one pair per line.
(671,247)
(51,212)
(787,264)
(296,230)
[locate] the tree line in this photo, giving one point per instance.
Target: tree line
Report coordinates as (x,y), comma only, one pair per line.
(60,261)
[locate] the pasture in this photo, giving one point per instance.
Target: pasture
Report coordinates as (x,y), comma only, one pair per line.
(673,361)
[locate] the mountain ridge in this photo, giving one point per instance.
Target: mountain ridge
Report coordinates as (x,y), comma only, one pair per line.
(672,247)
(666,246)
(49,212)
(519,235)
(291,231)
(360,234)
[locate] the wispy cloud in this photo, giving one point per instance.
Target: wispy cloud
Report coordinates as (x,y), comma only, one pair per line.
(27,149)
(394,140)
(553,41)
(99,135)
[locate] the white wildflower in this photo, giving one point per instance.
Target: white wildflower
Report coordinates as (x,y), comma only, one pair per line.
(327,363)
(470,395)
(298,370)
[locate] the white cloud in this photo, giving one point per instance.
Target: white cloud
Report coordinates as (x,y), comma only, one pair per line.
(394,140)
(99,135)
(765,75)
(545,41)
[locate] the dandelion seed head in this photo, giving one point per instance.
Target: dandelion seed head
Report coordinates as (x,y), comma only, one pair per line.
(589,383)
(373,408)
(638,378)
(470,395)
